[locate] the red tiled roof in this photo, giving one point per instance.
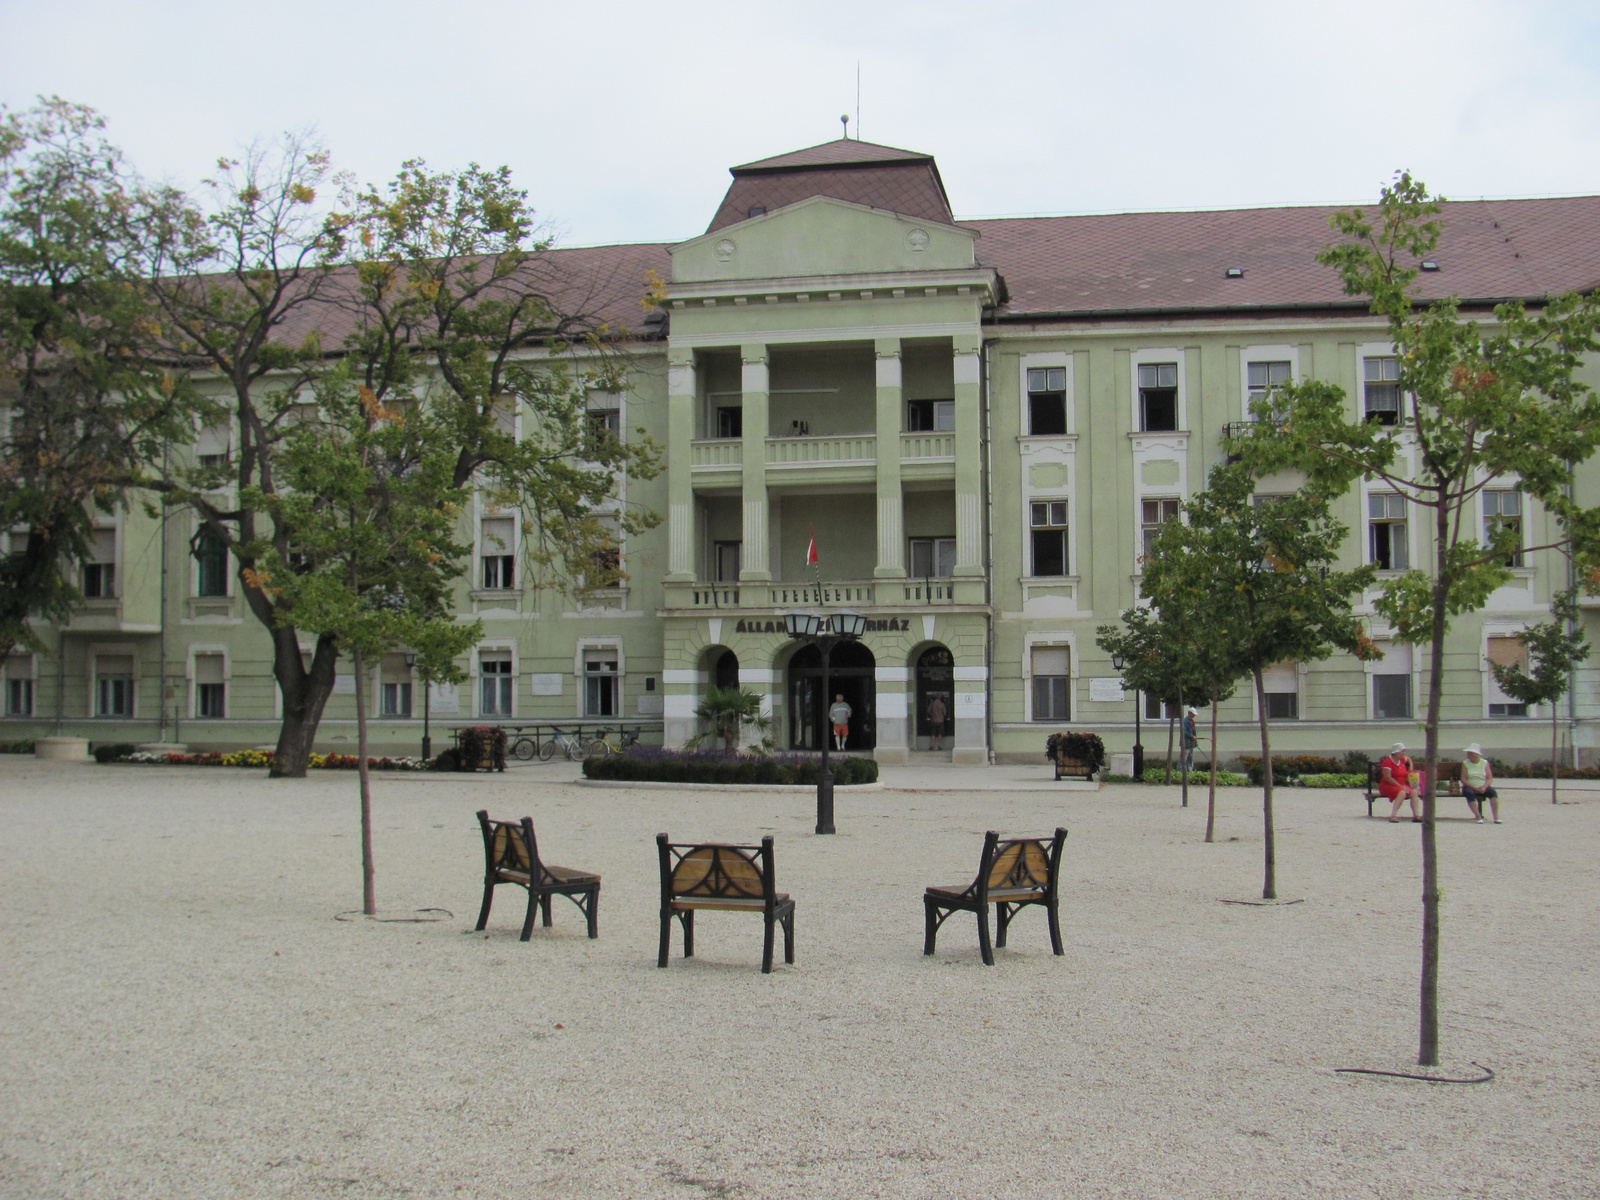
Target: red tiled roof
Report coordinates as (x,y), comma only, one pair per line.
(912,188)
(1132,262)
(834,153)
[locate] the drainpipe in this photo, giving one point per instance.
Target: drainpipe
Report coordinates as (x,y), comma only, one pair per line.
(988,541)
(161,696)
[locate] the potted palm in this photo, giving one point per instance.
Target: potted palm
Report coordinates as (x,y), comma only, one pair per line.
(726,711)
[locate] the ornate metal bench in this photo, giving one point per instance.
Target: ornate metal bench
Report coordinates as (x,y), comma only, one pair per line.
(511,855)
(721,877)
(1011,874)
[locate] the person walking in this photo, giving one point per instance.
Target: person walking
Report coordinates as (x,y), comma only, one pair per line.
(938,710)
(1477,784)
(1399,782)
(839,717)
(1191,739)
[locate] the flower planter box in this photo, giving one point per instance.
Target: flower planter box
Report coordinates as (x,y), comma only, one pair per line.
(1068,767)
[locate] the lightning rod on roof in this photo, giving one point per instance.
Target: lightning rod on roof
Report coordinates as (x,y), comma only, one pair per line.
(844,119)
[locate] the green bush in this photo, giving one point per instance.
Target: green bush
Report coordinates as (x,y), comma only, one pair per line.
(25,746)
(113,752)
(654,765)
(1289,767)
(1197,779)
(1334,781)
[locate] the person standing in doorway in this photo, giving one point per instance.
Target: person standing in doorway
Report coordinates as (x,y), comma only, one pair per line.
(839,717)
(1477,784)
(1191,739)
(938,710)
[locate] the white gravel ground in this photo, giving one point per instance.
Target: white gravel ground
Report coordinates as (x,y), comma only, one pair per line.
(181,1016)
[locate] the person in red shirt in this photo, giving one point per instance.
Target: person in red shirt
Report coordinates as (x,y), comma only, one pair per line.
(1396,784)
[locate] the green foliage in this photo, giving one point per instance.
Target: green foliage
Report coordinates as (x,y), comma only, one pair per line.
(687,767)
(90,402)
(114,752)
(726,711)
(1335,780)
(1288,767)
(1085,747)
(1167,653)
(1197,778)
(25,746)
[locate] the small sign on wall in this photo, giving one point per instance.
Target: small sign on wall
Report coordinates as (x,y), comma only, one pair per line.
(344,685)
(546,685)
(1107,691)
(444,698)
(650,705)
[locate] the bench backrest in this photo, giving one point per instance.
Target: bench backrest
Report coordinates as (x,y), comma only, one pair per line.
(1020,863)
(509,846)
(716,870)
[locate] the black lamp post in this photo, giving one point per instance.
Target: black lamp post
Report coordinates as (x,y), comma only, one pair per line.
(825,632)
(427,742)
(1117,663)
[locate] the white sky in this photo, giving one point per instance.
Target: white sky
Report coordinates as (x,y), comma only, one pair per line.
(621,118)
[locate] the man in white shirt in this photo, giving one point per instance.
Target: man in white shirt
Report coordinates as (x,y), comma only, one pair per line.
(839,717)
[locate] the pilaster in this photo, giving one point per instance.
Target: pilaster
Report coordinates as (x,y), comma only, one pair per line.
(683,395)
(754,383)
(969,455)
(891,523)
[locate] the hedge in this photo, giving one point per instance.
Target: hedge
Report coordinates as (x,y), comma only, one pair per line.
(655,765)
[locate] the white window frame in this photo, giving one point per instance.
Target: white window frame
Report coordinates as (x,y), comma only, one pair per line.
(194,568)
(481,548)
(1045,361)
(98,650)
(1491,690)
(192,683)
(1250,354)
(474,676)
(1386,641)
(1376,350)
(1166,355)
(1062,640)
(119,577)
(1139,522)
(1299,694)
(579,674)
(1379,488)
(1070,565)
(31,674)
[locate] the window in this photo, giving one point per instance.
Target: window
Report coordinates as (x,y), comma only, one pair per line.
(113,685)
(605,568)
(933,558)
(1391,547)
(496,545)
(1158,397)
(100,572)
(19,685)
(1391,690)
(1047,400)
(494,683)
(1052,683)
(1383,390)
(394,687)
(210,686)
(1502,517)
(730,422)
(605,427)
(211,556)
(924,416)
(1263,379)
(1048,519)
(1507,651)
(600,683)
(1281,692)
(725,558)
(1153,514)
(214,462)
(1155,710)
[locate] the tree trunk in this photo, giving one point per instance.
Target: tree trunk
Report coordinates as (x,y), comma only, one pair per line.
(1428,1039)
(1269,884)
(1185,753)
(369,892)
(1211,801)
(1170,722)
(1555,742)
(305,694)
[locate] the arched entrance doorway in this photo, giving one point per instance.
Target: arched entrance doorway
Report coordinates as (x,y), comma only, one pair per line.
(850,675)
(725,669)
(935,673)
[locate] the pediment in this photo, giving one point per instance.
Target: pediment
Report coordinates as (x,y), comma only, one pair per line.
(823,236)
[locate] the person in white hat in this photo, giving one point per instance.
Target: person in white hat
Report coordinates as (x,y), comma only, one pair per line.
(1477,784)
(1399,782)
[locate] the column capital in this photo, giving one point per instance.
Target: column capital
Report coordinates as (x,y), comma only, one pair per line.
(680,356)
(966,343)
(754,352)
(887,347)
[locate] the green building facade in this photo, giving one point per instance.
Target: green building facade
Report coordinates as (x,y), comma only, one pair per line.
(975,424)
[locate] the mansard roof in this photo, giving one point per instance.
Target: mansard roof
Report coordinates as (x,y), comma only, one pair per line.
(902,181)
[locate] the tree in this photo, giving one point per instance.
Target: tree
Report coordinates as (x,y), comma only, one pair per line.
(726,711)
(1483,405)
(89,405)
(368,491)
(1554,648)
(454,305)
(1256,576)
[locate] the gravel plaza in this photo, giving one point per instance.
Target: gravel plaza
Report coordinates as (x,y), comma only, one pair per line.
(181,1015)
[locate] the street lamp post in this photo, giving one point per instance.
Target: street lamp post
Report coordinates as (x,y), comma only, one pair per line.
(1117,663)
(825,632)
(427,742)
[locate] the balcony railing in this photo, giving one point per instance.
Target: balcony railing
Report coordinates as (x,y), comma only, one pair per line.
(928,445)
(748,596)
(716,452)
(798,451)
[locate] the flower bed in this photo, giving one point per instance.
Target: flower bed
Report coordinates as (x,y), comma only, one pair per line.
(263,758)
(655,765)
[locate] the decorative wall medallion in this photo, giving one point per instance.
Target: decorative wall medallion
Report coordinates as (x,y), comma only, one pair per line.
(917,240)
(725,249)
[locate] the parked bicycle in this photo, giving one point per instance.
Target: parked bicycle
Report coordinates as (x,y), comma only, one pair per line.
(526,746)
(603,745)
(570,743)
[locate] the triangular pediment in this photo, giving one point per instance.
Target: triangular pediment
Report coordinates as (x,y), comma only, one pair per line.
(823,236)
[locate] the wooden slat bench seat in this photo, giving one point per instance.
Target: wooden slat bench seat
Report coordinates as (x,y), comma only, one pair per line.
(511,855)
(718,877)
(1011,875)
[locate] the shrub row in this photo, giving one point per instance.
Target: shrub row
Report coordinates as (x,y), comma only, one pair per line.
(655,765)
(1155,777)
(258,758)
(25,746)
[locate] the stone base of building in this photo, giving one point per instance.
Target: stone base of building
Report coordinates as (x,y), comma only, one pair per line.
(969,756)
(892,756)
(62,749)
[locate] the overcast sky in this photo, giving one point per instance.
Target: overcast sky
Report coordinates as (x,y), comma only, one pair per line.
(621,118)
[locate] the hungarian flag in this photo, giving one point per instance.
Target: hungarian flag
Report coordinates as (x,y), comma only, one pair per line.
(811,550)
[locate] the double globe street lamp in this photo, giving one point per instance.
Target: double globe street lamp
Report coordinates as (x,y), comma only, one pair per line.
(825,631)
